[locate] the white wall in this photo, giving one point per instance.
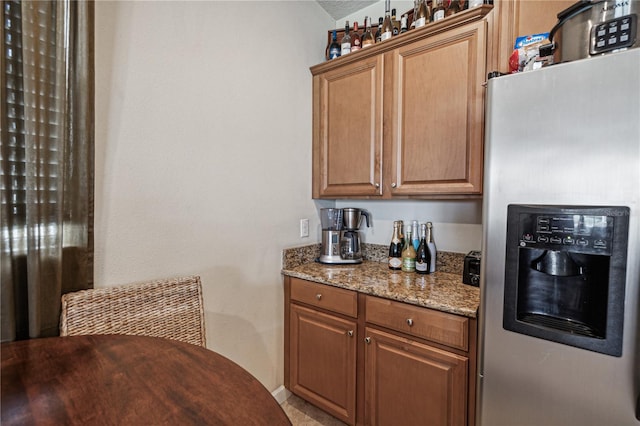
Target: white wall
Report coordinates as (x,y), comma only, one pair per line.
(456,224)
(376,11)
(203,156)
(203,159)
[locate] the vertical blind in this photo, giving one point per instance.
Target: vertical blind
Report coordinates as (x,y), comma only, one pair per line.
(47,161)
(42,96)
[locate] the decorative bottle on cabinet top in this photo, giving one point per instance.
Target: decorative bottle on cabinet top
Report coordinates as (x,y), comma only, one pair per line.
(395,23)
(438,10)
(345,43)
(387,26)
(367,38)
(334,47)
(422,17)
(403,24)
(355,38)
(379,31)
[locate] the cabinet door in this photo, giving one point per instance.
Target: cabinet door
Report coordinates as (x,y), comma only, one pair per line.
(323,361)
(347,145)
(409,383)
(437,114)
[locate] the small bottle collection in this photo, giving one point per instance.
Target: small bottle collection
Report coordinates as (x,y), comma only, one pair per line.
(424,12)
(412,249)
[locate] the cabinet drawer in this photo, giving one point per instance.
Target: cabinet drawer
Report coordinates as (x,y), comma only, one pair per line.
(440,327)
(326,297)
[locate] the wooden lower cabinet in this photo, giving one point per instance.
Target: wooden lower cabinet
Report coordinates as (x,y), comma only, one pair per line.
(323,361)
(409,383)
(374,361)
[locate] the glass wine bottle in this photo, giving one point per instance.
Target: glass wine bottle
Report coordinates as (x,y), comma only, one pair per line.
(379,31)
(415,236)
(437,11)
(395,22)
(423,256)
(345,43)
(432,247)
(408,253)
(367,38)
(355,38)
(387,26)
(452,9)
(334,47)
(395,248)
(403,24)
(422,17)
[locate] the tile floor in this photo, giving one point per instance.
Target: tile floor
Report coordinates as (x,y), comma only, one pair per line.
(301,413)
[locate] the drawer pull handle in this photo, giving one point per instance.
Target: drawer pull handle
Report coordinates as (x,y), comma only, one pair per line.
(318,296)
(409,322)
(367,340)
(350,333)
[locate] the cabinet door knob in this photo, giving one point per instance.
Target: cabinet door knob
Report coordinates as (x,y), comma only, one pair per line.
(393,185)
(318,296)
(377,185)
(409,322)
(367,340)
(350,333)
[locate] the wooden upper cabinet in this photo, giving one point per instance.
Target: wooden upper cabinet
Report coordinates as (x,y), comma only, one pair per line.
(520,18)
(348,126)
(404,118)
(436,114)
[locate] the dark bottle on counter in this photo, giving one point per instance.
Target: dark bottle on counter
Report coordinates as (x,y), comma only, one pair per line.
(334,47)
(423,256)
(401,232)
(433,252)
(395,248)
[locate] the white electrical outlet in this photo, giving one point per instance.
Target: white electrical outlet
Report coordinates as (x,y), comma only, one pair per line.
(304,228)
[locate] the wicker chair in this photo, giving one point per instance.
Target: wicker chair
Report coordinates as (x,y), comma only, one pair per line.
(171,308)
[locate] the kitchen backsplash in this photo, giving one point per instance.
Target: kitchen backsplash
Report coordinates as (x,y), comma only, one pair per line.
(446,261)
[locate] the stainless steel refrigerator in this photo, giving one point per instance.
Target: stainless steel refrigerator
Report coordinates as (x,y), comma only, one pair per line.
(560,274)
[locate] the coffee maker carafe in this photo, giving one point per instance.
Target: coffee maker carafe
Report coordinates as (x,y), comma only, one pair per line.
(340,236)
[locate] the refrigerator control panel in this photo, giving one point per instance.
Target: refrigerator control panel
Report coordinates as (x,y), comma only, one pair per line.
(578,231)
(587,232)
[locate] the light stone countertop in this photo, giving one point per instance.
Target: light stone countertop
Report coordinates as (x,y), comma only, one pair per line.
(441,290)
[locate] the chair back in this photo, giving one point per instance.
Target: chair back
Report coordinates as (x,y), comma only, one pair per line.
(169,308)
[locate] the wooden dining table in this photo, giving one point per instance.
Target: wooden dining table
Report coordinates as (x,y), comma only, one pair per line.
(128,380)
